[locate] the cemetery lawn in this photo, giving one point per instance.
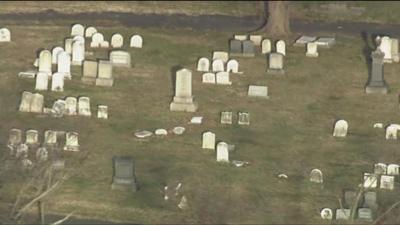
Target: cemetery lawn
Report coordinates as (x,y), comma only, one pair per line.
(290,133)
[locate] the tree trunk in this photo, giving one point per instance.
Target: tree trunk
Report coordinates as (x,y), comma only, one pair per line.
(278,19)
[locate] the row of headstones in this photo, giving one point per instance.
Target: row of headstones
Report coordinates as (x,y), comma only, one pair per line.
(363,214)
(216,78)
(341,127)
(243,118)
(247,47)
(117,40)
(98,73)
(70,106)
(218,65)
(5,35)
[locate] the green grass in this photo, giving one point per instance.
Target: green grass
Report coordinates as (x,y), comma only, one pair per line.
(290,133)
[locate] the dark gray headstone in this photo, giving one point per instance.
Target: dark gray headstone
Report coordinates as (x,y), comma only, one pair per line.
(248,48)
(235,47)
(376,83)
(124,174)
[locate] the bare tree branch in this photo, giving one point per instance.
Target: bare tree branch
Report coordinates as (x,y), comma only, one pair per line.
(386,212)
(58,222)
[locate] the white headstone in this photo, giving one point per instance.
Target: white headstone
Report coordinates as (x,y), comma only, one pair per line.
(136,41)
(281,47)
(58,109)
(256,39)
(240,37)
(102,112)
(183,99)
(37,103)
(117,41)
(54,54)
(90,31)
(57,82)
(276,62)
(312,49)
(226,117)
(120,58)
(370,180)
(78,38)
(387,182)
(15,137)
(316,176)
(223,78)
(45,62)
(78,52)
(97,39)
(208,78)
(224,56)
(340,129)
(380,168)
(70,106)
(208,140)
(393,169)
(64,64)
(258,91)
(203,65)
(84,106)
(232,66)
(326,214)
(50,137)
(71,142)
(25,105)
(42,81)
(386,47)
(364,214)
(5,35)
(391,132)
(22,151)
(41,154)
(244,118)
(395,50)
(77,30)
(222,152)
(217,65)
(265,46)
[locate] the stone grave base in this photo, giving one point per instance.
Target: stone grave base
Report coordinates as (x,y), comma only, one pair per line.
(88,80)
(248,55)
(376,89)
(186,107)
(71,148)
(126,65)
(312,55)
(105,82)
(76,63)
(276,71)
(124,184)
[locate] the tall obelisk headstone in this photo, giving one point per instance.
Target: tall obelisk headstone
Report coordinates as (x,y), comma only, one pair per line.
(377,83)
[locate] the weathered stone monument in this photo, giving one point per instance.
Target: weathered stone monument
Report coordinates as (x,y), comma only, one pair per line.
(203,65)
(376,82)
(78,52)
(265,46)
(256,39)
(77,30)
(391,132)
(58,108)
(37,102)
(223,78)
(70,106)
(326,214)
(90,31)
(281,47)
(136,41)
(222,152)
(224,56)
(50,137)
(42,154)
(25,105)
(380,168)
(71,142)
(97,40)
(248,49)
(343,214)
(226,117)
(240,37)
(15,137)
(208,140)
(89,72)
(57,82)
(340,129)
(5,35)
(102,112)
(217,65)
(258,91)
(395,50)
(235,47)
(183,99)
(208,78)
(120,58)
(64,64)
(312,49)
(232,66)
(316,176)
(244,118)
(393,169)
(45,62)
(32,137)
(54,54)
(124,177)
(275,64)
(42,81)
(386,47)
(370,180)
(84,106)
(117,41)
(387,182)
(68,45)
(104,74)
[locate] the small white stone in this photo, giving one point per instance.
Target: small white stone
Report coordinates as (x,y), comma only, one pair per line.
(143,134)
(161,132)
(378,125)
(196,120)
(282,175)
(178,130)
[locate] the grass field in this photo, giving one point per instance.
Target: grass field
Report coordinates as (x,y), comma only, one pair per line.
(290,133)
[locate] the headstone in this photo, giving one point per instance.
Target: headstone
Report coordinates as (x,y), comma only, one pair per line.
(183,203)
(316,176)
(42,154)
(256,39)
(32,137)
(78,53)
(37,103)
(42,81)
(386,47)
(248,48)
(208,78)
(50,137)
(208,140)
(203,65)
(303,40)
(68,45)
(196,120)
(275,64)
(45,62)
(124,174)
(377,83)
(380,168)
(117,41)
(5,35)
(178,130)
(343,214)
(281,47)
(224,56)
(222,152)
(391,132)
(370,180)
(240,37)
(326,214)
(84,106)
(90,31)
(244,118)
(120,58)
(104,72)
(64,64)
(183,99)
(27,163)
(161,132)
(71,142)
(70,106)
(22,151)
(325,42)
(387,182)
(78,38)
(102,112)
(89,72)
(58,109)
(54,54)
(143,134)
(223,78)
(370,200)
(265,46)
(57,82)
(378,125)
(104,44)
(27,74)
(340,129)
(97,39)
(395,50)
(77,30)
(226,117)
(393,169)
(217,65)
(232,66)
(15,137)
(364,214)
(235,47)
(258,91)
(312,49)
(25,105)
(136,41)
